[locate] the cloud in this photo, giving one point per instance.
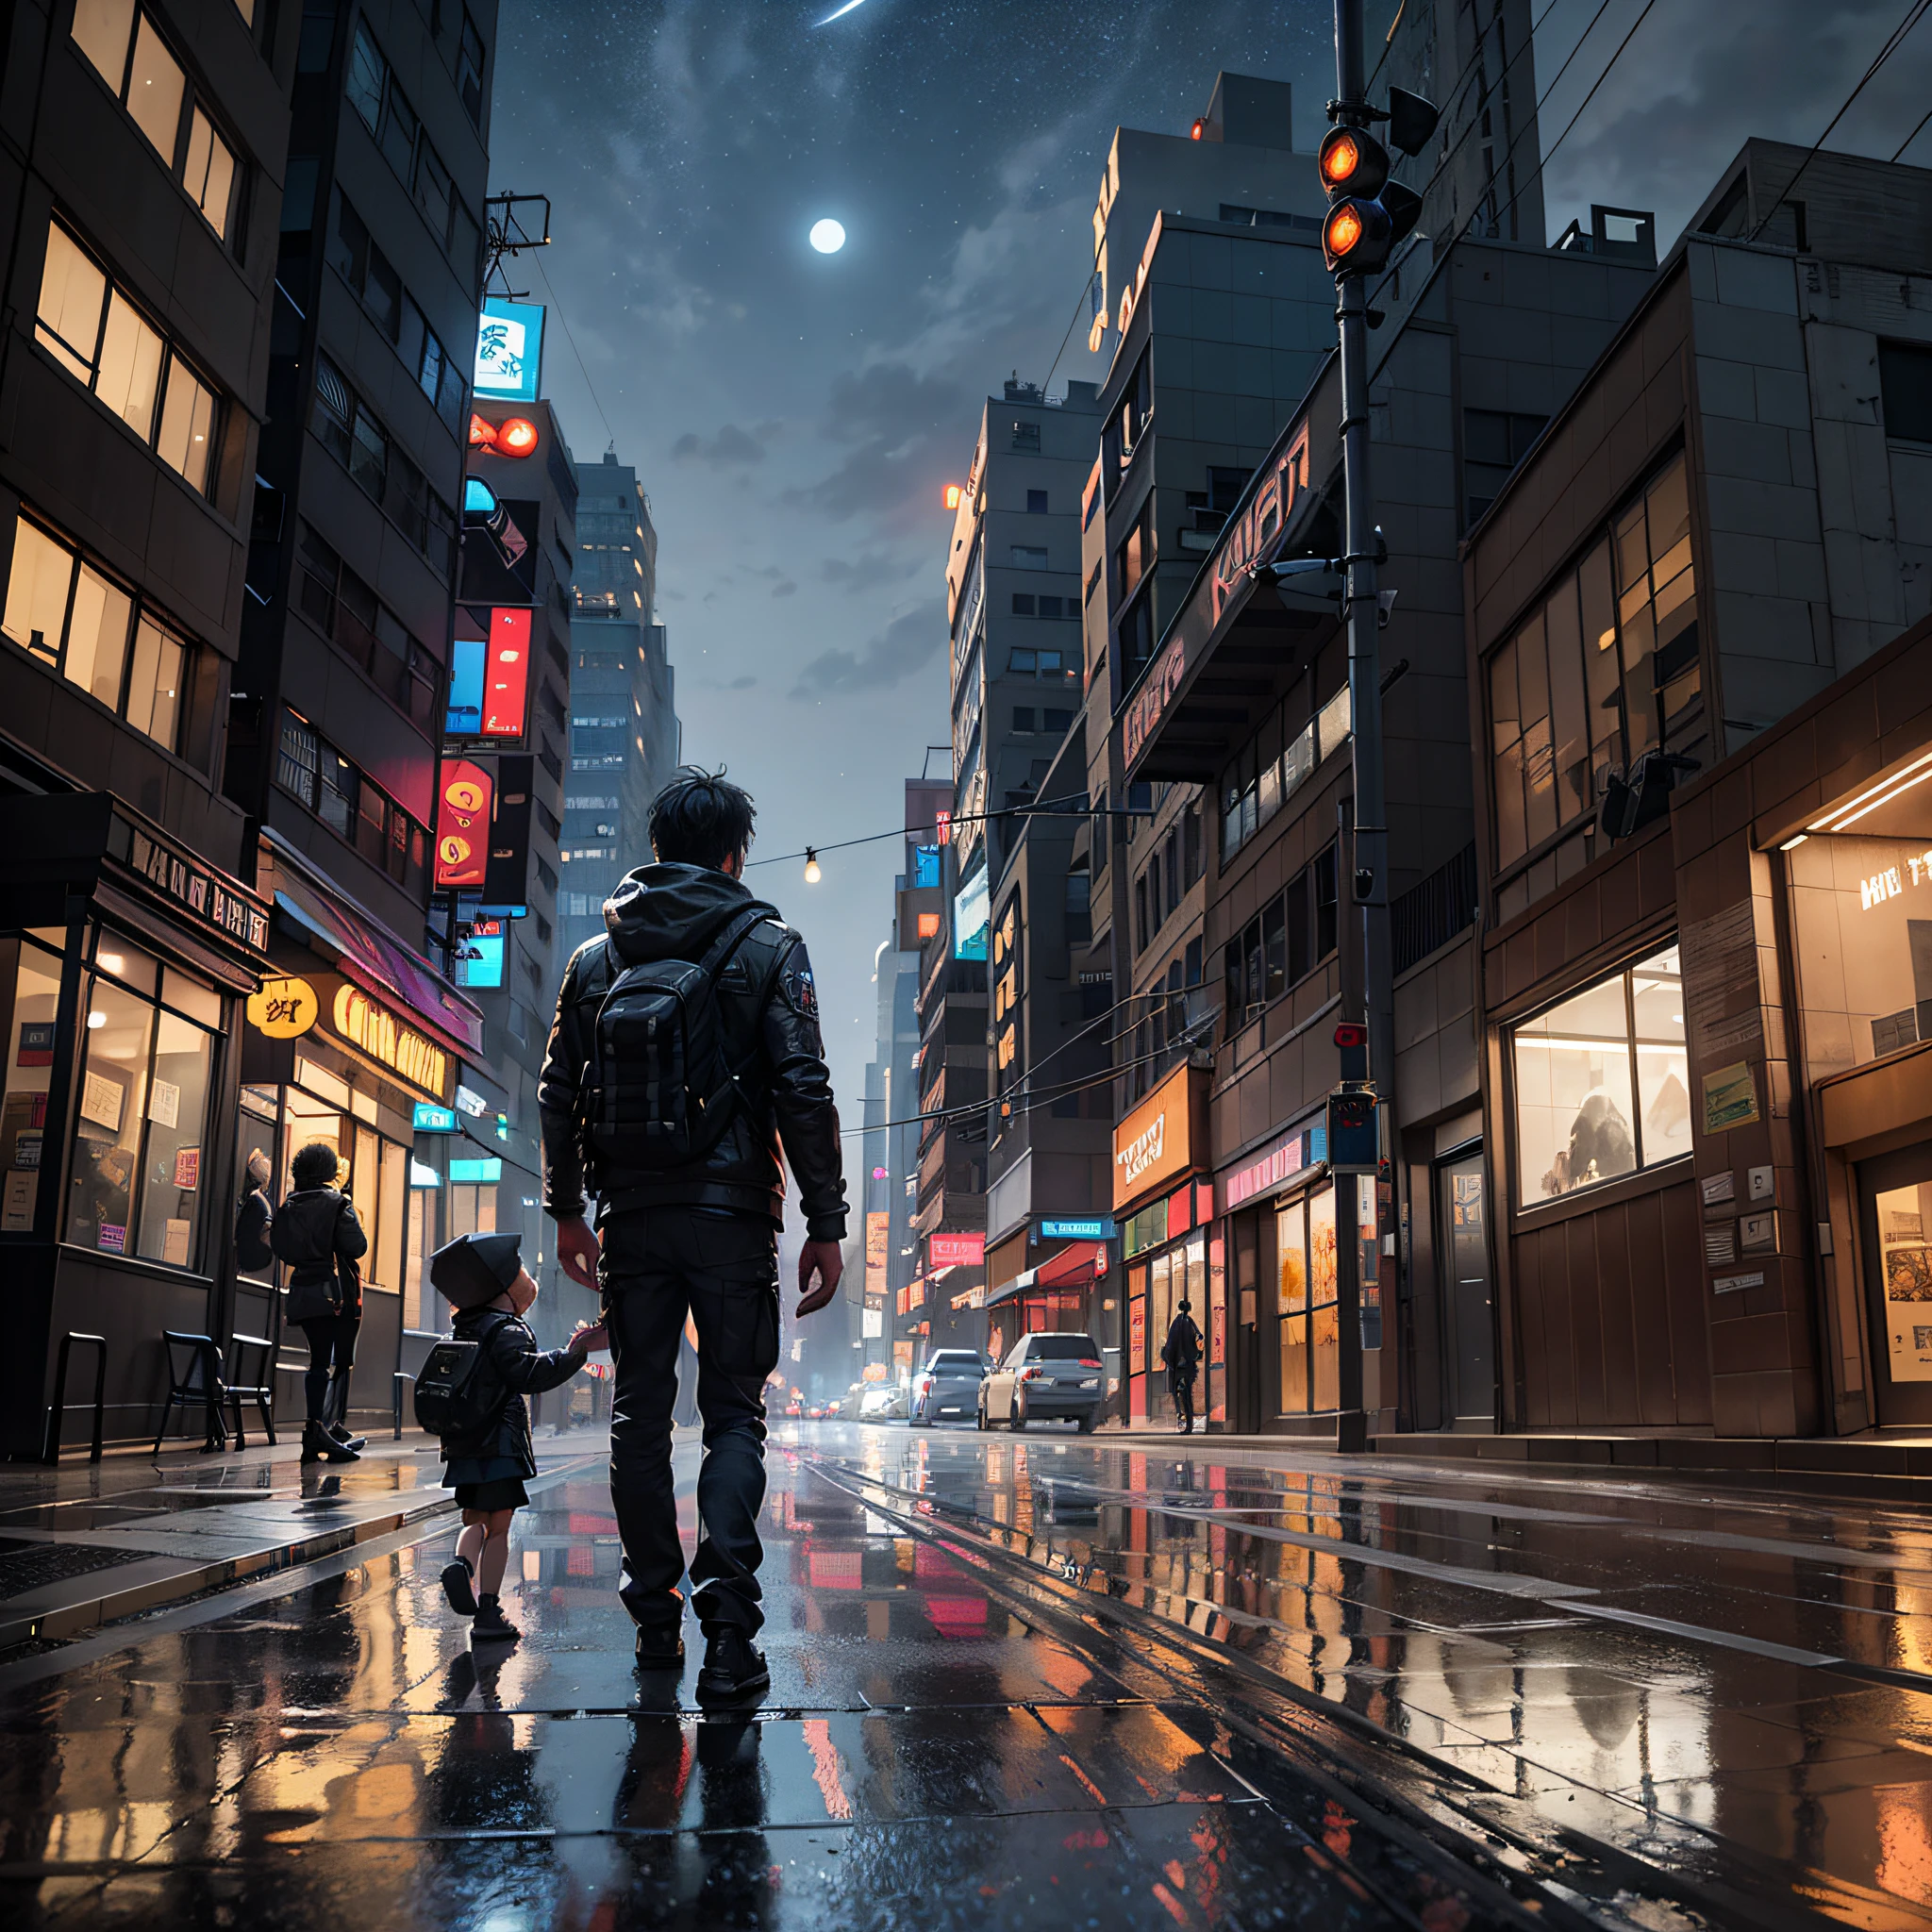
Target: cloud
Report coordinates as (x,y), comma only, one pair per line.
(787,589)
(902,430)
(905,645)
(867,571)
(731,446)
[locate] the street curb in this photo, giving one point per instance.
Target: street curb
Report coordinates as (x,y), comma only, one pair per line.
(74,1620)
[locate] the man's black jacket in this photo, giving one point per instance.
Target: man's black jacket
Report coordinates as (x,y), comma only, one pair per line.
(769,1008)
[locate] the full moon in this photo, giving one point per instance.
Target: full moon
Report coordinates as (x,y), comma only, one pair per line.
(827,237)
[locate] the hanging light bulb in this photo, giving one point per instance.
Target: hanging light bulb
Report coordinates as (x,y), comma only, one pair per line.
(812,873)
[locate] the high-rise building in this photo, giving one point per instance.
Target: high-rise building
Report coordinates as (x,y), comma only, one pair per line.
(895,1281)
(624,733)
(504,732)
(1485,336)
(146,155)
(346,624)
(1013,595)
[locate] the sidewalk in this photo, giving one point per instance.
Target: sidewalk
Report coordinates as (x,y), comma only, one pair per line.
(89,1544)
(1893,1463)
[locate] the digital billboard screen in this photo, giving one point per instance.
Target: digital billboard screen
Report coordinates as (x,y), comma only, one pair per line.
(509,351)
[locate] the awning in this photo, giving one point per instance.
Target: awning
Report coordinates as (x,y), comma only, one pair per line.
(1071,1267)
(368,952)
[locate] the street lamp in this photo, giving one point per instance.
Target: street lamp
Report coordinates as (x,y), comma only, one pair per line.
(812,871)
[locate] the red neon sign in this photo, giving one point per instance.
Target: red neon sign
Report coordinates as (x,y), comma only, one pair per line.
(462,825)
(506,673)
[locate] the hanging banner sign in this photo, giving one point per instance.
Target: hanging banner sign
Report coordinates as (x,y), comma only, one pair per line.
(462,825)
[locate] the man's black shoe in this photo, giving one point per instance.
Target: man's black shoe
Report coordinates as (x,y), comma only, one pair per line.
(345,1438)
(660,1652)
(733,1670)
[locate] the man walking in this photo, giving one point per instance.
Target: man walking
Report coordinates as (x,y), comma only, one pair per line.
(1182,1355)
(685,1069)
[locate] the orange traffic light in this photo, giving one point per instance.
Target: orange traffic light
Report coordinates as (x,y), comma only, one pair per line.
(1341,234)
(1352,162)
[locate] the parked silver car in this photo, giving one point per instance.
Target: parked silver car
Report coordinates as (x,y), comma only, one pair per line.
(1049,1377)
(948,1385)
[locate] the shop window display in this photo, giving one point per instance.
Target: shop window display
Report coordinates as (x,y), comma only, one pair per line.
(30,978)
(1602,1082)
(1862,920)
(141,1110)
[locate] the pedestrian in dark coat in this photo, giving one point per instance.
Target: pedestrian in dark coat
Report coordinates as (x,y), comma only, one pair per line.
(1182,1355)
(315,1233)
(483,1278)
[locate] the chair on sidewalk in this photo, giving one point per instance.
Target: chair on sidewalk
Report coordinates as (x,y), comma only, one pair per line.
(257,1385)
(200,1381)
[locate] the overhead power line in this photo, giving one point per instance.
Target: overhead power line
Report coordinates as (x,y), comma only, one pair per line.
(1893,41)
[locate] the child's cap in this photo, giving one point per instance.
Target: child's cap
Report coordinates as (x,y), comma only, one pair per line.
(474,1268)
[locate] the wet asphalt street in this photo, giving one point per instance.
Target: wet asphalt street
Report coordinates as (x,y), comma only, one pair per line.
(1032,1681)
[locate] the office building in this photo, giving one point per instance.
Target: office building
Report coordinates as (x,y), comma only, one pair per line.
(625,735)
(146,161)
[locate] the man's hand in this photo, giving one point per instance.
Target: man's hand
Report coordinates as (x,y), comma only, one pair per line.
(576,1251)
(825,1261)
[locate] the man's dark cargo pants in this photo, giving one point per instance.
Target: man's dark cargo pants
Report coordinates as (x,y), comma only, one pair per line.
(723,1268)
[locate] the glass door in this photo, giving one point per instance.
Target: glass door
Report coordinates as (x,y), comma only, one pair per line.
(1895,1197)
(1461,1192)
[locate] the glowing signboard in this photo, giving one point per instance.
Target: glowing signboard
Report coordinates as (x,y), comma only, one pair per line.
(509,350)
(462,825)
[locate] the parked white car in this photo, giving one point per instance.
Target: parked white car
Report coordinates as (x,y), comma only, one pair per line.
(1049,1377)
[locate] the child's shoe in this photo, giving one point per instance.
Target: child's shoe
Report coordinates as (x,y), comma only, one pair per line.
(490,1624)
(459,1585)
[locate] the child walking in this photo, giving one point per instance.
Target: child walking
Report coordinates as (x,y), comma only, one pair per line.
(488,1457)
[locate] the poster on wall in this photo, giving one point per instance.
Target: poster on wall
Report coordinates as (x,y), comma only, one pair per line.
(1136,1335)
(164,1103)
(1905,1265)
(1730,1099)
(187,1168)
(174,1242)
(101,1101)
(17,1200)
(36,1043)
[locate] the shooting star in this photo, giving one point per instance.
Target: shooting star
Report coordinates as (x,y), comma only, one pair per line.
(839,13)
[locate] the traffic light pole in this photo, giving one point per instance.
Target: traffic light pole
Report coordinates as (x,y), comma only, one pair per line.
(1373,997)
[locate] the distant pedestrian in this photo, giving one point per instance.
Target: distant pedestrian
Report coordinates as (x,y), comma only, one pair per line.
(1182,1355)
(316,1234)
(471,1393)
(686,1074)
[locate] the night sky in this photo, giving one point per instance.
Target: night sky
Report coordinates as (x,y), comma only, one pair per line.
(797,416)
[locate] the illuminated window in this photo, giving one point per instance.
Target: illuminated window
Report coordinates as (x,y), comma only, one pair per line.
(128,53)
(81,623)
(1602,1082)
(91,330)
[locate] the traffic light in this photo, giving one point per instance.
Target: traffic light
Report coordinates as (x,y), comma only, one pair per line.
(1368,213)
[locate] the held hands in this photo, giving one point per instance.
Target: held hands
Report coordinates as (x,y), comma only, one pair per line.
(577,1250)
(825,1261)
(589,1338)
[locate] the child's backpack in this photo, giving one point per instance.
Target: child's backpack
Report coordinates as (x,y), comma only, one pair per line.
(458,1392)
(660,1091)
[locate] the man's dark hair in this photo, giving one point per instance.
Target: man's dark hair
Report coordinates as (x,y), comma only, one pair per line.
(314,1166)
(700,818)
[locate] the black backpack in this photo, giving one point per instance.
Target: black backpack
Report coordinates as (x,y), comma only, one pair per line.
(660,1091)
(458,1392)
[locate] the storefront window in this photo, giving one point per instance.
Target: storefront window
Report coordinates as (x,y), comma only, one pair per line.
(31,978)
(141,1114)
(1291,1305)
(1324,1289)
(176,1114)
(1862,916)
(1602,1082)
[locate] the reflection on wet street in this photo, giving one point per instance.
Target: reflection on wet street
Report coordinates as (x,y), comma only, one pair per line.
(1738,1688)
(1049,1682)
